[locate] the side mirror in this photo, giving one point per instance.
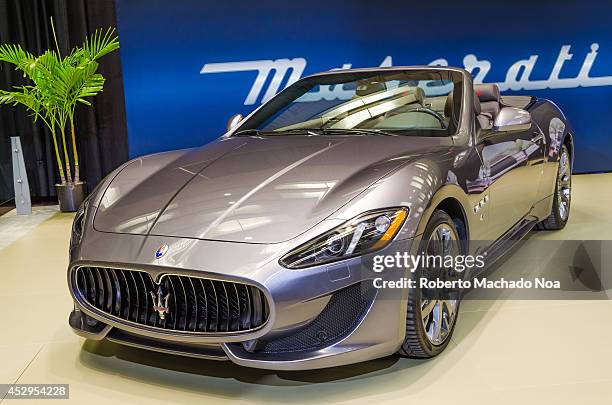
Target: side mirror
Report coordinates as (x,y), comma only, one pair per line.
(512,119)
(233,121)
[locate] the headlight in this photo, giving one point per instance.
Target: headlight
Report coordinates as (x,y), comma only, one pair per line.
(77,225)
(364,234)
(79,219)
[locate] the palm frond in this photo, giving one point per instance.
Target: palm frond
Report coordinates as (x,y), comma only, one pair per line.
(91,87)
(16,55)
(100,43)
(27,96)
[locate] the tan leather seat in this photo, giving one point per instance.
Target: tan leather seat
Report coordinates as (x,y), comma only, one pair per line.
(488,94)
(484,120)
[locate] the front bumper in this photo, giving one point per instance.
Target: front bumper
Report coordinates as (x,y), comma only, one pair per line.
(319,317)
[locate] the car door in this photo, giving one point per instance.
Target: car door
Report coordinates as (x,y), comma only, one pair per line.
(512,166)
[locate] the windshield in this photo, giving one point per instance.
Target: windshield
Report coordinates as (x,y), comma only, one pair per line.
(418,102)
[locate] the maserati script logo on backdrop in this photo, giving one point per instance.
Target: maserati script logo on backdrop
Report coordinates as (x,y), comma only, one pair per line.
(517,76)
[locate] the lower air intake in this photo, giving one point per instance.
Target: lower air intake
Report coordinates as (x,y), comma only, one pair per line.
(345,309)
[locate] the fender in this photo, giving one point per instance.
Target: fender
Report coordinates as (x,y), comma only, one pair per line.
(445,192)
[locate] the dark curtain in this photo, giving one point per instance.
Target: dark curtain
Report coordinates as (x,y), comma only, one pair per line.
(101,129)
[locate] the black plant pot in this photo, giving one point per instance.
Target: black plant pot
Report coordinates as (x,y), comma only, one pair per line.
(70,196)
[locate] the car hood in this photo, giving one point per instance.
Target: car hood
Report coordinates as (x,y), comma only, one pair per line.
(250,189)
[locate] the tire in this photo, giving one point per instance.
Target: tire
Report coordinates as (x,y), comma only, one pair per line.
(418,342)
(562,198)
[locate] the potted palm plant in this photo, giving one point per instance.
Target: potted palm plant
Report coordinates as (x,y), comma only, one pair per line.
(58,84)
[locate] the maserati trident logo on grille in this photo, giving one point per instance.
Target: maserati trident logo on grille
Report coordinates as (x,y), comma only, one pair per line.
(161,251)
(160,302)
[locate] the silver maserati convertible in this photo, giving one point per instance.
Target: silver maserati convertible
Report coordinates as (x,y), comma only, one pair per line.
(259,247)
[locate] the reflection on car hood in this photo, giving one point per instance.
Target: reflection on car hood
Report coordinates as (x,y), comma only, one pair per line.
(258,190)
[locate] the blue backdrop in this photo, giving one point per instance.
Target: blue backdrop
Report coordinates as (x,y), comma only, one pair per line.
(190,64)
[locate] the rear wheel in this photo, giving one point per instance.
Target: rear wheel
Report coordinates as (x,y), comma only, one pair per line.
(432,313)
(563,194)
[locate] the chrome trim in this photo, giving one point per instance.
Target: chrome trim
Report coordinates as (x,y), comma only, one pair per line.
(133,342)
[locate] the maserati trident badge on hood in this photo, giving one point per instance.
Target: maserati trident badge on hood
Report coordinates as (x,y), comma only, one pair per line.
(161,251)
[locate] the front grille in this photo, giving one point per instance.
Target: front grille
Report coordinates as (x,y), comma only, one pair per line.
(193,304)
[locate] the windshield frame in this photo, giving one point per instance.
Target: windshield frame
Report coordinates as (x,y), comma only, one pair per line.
(303,85)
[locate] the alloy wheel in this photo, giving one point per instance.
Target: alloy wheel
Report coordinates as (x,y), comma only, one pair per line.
(564,185)
(439,307)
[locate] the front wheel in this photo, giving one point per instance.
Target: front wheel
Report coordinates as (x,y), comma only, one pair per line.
(563,195)
(432,313)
